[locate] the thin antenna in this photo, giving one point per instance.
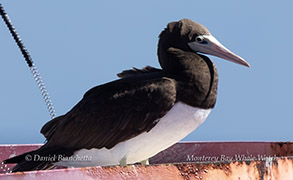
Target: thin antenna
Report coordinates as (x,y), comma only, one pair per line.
(29,61)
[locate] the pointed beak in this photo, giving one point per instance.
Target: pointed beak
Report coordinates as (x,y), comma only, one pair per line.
(208,44)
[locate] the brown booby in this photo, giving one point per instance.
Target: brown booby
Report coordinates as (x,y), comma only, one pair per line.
(144,112)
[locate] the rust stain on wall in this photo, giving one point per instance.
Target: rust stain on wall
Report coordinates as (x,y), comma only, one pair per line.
(282,148)
(272,169)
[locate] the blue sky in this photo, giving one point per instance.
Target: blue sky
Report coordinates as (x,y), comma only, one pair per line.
(78,45)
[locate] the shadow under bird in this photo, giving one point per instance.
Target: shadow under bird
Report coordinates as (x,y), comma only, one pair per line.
(144,112)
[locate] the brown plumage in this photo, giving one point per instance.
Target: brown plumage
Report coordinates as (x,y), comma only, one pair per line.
(122,109)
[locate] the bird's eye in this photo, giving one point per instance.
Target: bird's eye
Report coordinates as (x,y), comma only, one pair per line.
(201,40)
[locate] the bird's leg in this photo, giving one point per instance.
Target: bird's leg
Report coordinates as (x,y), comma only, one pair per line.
(145,162)
(123,161)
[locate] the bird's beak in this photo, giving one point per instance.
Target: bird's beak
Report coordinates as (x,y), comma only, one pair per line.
(208,44)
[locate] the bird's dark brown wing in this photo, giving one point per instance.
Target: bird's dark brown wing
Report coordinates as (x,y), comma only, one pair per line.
(135,71)
(113,112)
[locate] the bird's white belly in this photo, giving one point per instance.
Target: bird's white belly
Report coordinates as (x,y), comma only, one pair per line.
(174,126)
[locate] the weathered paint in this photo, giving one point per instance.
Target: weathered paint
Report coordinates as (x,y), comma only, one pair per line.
(276,169)
(262,160)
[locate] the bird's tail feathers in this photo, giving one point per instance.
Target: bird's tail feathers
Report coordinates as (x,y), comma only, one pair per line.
(41,159)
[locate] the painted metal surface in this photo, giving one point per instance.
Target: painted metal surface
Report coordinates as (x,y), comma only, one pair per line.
(222,151)
(190,160)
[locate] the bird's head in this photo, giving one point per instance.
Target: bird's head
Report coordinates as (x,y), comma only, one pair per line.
(188,35)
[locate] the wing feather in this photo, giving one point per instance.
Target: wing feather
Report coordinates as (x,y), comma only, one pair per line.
(114,112)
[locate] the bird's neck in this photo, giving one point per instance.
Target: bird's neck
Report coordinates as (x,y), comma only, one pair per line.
(196,76)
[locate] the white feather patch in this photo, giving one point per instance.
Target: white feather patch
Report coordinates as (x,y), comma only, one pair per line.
(174,126)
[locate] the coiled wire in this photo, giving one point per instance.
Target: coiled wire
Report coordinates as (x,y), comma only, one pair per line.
(43,90)
(29,61)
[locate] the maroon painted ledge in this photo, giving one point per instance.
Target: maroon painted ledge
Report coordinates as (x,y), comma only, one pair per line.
(184,160)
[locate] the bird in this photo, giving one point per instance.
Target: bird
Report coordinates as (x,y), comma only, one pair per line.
(143,112)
